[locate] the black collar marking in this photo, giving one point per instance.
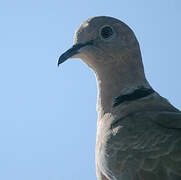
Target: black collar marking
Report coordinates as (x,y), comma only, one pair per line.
(136,94)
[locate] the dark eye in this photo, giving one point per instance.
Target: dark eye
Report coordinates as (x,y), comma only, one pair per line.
(106,32)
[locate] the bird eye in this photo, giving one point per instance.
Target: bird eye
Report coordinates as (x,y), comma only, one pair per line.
(106,32)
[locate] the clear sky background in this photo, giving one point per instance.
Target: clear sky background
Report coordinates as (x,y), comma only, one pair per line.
(48,114)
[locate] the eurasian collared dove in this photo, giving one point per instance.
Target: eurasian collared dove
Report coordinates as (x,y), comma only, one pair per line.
(138,131)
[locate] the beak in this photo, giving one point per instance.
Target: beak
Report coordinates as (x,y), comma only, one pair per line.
(74,50)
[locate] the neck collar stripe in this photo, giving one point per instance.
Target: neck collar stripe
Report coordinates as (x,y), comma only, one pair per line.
(135,95)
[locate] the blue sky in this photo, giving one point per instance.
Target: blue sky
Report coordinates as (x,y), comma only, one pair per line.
(48,114)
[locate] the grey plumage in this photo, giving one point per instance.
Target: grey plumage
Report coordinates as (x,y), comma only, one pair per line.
(138,131)
(144,143)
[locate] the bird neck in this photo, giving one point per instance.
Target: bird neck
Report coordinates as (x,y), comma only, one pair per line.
(115,80)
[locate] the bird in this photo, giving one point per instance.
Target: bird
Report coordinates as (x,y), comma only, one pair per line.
(138,130)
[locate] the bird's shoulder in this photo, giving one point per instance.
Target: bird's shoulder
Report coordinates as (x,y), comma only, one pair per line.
(148,142)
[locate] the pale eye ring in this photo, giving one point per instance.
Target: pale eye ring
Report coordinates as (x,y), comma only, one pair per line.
(106,32)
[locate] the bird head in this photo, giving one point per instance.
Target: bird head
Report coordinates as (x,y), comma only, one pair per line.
(101,41)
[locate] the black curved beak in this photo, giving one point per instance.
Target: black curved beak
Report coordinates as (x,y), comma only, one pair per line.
(72,51)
